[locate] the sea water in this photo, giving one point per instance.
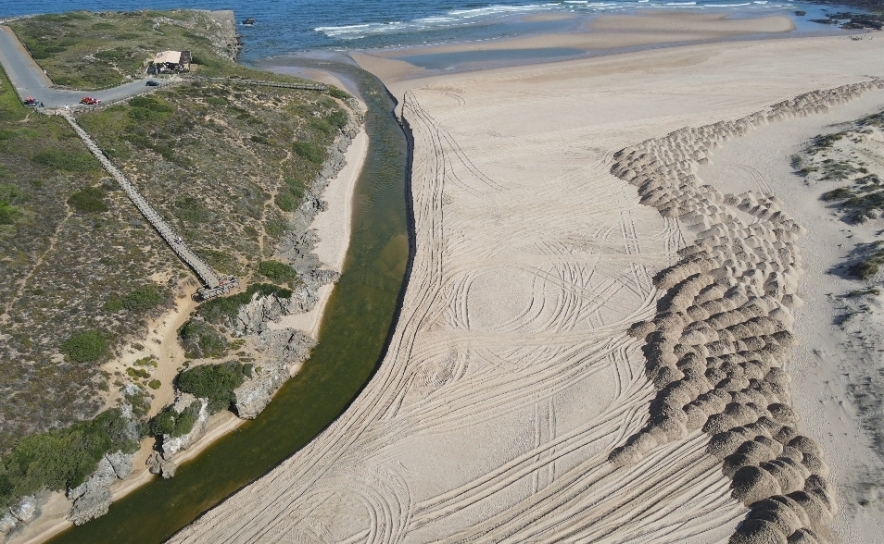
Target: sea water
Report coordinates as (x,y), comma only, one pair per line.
(288,26)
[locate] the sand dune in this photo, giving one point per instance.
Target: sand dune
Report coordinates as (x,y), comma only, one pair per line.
(557,208)
(722,333)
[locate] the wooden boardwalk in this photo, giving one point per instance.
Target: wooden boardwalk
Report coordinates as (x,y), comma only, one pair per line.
(261,83)
(214,284)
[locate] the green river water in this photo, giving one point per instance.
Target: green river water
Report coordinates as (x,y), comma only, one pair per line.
(358,319)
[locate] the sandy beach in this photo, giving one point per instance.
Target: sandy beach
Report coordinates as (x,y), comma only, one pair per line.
(615,328)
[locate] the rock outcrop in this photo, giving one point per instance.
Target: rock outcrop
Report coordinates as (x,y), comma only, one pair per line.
(162,461)
(297,245)
(19,515)
(218,26)
(282,349)
(93,497)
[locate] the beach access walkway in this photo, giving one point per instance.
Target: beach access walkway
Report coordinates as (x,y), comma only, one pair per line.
(30,80)
(214,284)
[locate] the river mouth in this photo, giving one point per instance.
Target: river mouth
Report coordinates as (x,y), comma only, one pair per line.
(359,319)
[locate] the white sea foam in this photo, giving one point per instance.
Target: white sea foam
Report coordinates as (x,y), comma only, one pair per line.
(472,16)
(452,18)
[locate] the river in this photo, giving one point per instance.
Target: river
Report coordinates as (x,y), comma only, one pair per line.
(354,332)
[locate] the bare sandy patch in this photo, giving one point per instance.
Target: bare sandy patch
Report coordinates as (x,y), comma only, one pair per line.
(610,32)
(702,23)
(546,17)
(828,360)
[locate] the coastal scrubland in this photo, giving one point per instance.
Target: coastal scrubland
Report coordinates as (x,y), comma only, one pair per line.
(848,165)
(81,270)
(229,165)
(87,50)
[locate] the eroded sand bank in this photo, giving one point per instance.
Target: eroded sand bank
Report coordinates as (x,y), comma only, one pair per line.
(510,380)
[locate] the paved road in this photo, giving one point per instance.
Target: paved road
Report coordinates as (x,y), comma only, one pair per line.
(29,80)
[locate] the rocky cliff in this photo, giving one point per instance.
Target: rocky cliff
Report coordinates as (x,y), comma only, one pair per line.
(93,497)
(161,461)
(282,350)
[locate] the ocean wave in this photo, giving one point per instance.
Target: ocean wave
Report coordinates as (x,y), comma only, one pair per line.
(452,18)
(498,9)
(471,16)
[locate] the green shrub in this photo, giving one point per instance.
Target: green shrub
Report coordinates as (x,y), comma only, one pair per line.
(862,207)
(338,118)
(837,194)
(86,347)
(149,108)
(309,151)
(9,195)
(201,340)
(115,55)
(275,228)
(192,210)
(214,382)
(290,195)
(278,272)
(154,384)
(145,297)
(285,201)
(139,400)
(823,141)
(62,459)
(174,424)
(865,269)
(187,419)
(89,200)
(138,373)
(67,160)
(224,309)
(872,259)
(8,214)
(296,187)
(259,139)
(164,422)
(338,93)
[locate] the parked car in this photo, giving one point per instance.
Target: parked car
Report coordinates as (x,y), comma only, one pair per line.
(30,101)
(88,100)
(152,83)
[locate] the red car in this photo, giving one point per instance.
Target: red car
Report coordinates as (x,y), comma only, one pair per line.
(30,101)
(90,101)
